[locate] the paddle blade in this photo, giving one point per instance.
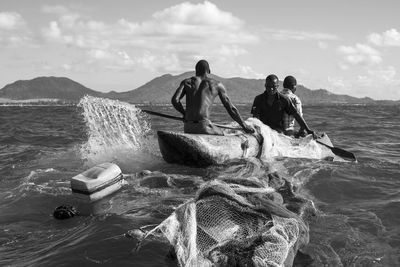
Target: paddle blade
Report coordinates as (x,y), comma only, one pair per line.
(336,150)
(343,153)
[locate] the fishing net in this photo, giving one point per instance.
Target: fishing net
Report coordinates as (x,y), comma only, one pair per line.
(279,145)
(223,227)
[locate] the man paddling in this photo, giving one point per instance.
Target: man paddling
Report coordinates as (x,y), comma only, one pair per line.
(201,91)
(289,89)
(270,106)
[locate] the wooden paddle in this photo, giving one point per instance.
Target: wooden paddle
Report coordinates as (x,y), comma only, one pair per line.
(181,119)
(325,141)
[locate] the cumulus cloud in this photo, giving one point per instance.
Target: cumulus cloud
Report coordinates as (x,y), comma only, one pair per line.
(367,82)
(360,54)
(114,59)
(337,83)
(13,29)
(11,21)
(156,62)
(248,72)
(180,33)
(198,15)
(384,76)
(388,38)
(232,50)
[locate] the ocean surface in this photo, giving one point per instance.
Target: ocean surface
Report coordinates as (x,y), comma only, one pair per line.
(43,147)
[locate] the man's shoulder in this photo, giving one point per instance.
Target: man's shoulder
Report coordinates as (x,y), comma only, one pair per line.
(213,81)
(187,80)
(297,98)
(282,95)
(290,95)
(286,91)
(259,99)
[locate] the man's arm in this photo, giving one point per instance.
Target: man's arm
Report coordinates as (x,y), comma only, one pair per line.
(303,124)
(292,110)
(299,110)
(176,98)
(298,106)
(232,110)
(255,110)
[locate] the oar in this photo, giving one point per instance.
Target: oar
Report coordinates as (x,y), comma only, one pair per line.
(181,119)
(339,151)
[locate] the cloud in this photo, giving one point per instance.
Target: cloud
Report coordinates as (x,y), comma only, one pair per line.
(231,50)
(117,60)
(163,63)
(381,76)
(202,14)
(11,21)
(248,72)
(388,38)
(13,30)
(181,33)
(366,82)
(298,35)
(337,82)
(360,54)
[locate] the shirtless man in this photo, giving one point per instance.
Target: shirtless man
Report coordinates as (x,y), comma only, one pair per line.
(201,91)
(270,106)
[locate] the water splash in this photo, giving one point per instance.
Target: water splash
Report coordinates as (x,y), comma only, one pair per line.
(114,127)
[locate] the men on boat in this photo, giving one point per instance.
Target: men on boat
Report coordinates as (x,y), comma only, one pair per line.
(201,91)
(269,107)
(289,88)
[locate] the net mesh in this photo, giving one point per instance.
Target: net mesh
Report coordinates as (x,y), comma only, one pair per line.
(221,227)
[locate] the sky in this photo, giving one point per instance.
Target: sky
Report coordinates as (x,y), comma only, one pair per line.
(347,47)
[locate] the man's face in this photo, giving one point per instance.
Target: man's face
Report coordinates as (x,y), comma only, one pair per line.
(271,86)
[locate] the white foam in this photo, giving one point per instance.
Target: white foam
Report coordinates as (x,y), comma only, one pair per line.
(114,128)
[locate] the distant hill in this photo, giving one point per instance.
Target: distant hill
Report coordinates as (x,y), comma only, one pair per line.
(160,90)
(46,87)
(240,90)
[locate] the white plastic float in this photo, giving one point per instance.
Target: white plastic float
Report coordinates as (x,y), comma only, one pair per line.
(97,182)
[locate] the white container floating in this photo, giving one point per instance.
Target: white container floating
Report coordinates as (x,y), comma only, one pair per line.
(97,182)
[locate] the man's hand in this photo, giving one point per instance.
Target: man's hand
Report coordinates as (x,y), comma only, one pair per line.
(248,128)
(314,134)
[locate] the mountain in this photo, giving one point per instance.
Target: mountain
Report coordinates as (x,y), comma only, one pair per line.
(240,90)
(47,87)
(160,90)
(322,96)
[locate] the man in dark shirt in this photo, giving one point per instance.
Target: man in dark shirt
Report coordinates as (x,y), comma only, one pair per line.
(270,106)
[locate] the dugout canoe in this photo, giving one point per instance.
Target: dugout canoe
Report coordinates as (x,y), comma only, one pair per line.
(204,150)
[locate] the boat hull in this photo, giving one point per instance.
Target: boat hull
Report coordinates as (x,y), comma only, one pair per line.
(204,150)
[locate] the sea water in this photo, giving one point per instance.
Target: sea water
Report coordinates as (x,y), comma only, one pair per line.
(41,148)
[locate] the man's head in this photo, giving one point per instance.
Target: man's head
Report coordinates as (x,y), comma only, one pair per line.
(202,67)
(290,83)
(271,84)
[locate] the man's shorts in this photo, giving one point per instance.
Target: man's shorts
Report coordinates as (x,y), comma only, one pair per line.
(204,126)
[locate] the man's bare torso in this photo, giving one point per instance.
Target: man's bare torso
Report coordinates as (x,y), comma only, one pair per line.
(200,95)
